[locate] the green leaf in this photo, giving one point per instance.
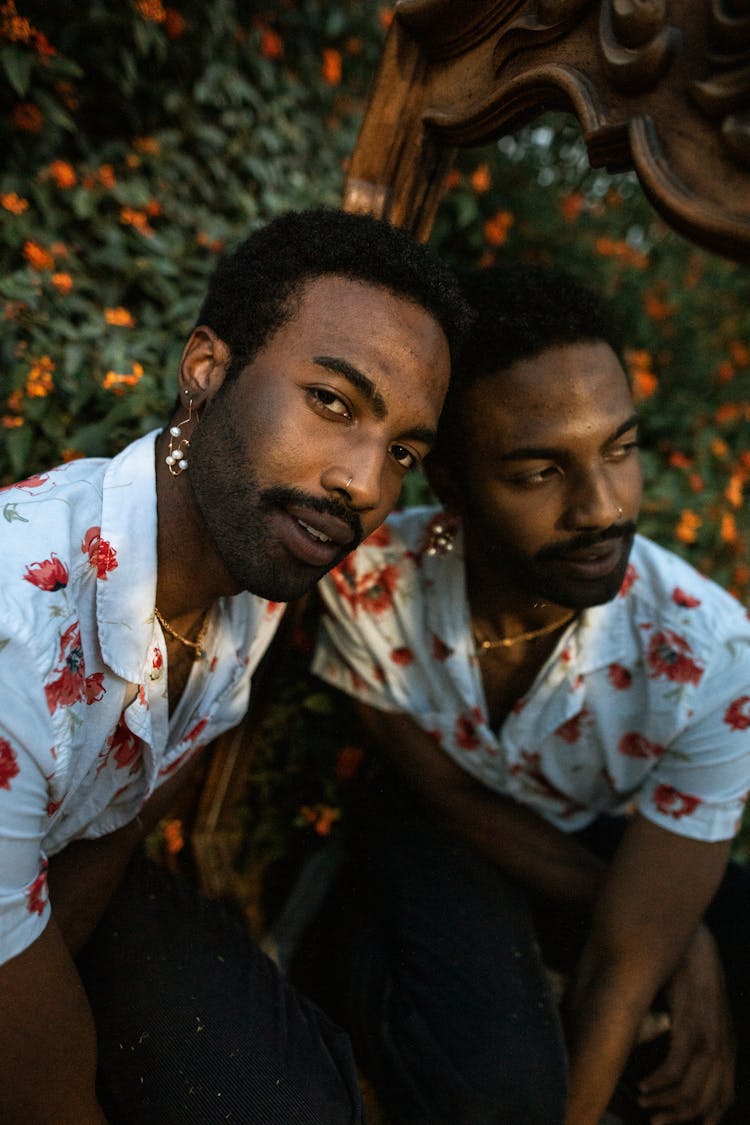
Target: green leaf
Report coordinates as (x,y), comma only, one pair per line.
(17,64)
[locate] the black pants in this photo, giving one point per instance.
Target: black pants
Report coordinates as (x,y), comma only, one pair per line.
(196,1026)
(440,976)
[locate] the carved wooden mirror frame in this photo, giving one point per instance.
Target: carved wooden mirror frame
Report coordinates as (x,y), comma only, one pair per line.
(659,86)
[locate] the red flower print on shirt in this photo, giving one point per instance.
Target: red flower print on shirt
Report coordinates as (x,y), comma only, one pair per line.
(30,483)
(570,730)
(124,746)
(71,685)
(679,597)
(49,575)
(737,714)
(8,764)
(373,592)
(402,655)
(102,557)
(667,655)
(381,537)
(636,745)
(440,650)
(631,576)
(670,800)
(466,730)
(619,676)
(199,727)
(37,892)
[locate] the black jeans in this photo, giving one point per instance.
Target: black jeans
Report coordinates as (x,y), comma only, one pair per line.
(196,1026)
(439,977)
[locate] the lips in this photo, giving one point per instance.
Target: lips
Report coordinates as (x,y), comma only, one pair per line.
(591,562)
(315,538)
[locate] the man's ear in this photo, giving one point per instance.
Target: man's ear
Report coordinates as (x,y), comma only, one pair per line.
(443,483)
(203,366)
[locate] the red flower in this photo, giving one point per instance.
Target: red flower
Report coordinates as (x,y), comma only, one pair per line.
(466,731)
(71,684)
(373,591)
(570,730)
(619,676)
(157,660)
(737,714)
(8,764)
(101,555)
(49,575)
(381,537)
(126,747)
(679,597)
(402,655)
(636,745)
(348,761)
(37,892)
(30,483)
(670,800)
(199,727)
(667,655)
(631,576)
(440,650)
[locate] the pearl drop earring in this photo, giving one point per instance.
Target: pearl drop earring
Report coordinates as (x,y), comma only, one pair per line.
(176,458)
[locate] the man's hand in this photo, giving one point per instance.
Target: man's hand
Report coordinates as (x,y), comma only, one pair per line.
(696,1079)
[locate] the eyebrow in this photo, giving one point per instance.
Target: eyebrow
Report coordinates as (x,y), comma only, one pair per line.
(363,384)
(366,387)
(540,453)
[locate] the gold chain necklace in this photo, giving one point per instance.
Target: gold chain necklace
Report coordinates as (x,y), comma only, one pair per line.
(506,642)
(197,644)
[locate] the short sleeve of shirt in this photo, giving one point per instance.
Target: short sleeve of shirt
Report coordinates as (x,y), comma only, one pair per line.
(699,786)
(27,762)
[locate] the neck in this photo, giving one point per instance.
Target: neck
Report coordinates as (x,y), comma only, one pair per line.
(190,573)
(500,607)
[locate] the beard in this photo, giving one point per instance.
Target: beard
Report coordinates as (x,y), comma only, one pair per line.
(239,513)
(548,574)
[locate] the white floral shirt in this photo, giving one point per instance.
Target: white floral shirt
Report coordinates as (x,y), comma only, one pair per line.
(645,700)
(85,732)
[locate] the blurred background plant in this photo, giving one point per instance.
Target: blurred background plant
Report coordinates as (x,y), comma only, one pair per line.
(143,138)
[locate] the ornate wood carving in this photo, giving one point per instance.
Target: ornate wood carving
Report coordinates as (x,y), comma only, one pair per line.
(661,86)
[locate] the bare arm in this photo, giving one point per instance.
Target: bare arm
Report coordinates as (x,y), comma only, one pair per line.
(519,841)
(47,1040)
(650,907)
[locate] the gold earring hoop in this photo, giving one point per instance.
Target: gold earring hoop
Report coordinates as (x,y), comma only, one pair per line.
(176,458)
(349,482)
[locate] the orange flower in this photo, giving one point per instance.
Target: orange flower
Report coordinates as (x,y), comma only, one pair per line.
(138,219)
(617,248)
(496,229)
(680,460)
(385,15)
(719,448)
(39,381)
(739,353)
(481,181)
(149,145)
(656,308)
(173,838)
(10,421)
(725,372)
(106,176)
(27,117)
(153,208)
(152,10)
(642,377)
(71,455)
(734,489)
(16,204)
(571,206)
(174,23)
(63,282)
(62,173)
(695,482)
(37,257)
(741,574)
(119,316)
(728,530)
(271,44)
(687,528)
(213,244)
(331,68)
(727,412)
(115,382)
(15,401)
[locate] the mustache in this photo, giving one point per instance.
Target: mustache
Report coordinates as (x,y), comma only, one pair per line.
(283,497)
(581,542)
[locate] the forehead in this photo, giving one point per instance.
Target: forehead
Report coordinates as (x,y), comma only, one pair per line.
(392,340)
(563,393)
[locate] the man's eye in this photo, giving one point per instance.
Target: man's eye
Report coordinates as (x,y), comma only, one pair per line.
(540,476)
(404,456)
(620,452)
(331,402)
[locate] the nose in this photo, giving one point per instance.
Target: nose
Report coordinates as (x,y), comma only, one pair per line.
(359,481)
(593,503)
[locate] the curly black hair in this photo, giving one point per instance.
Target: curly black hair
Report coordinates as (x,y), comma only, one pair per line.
(252,291)
(520,311)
